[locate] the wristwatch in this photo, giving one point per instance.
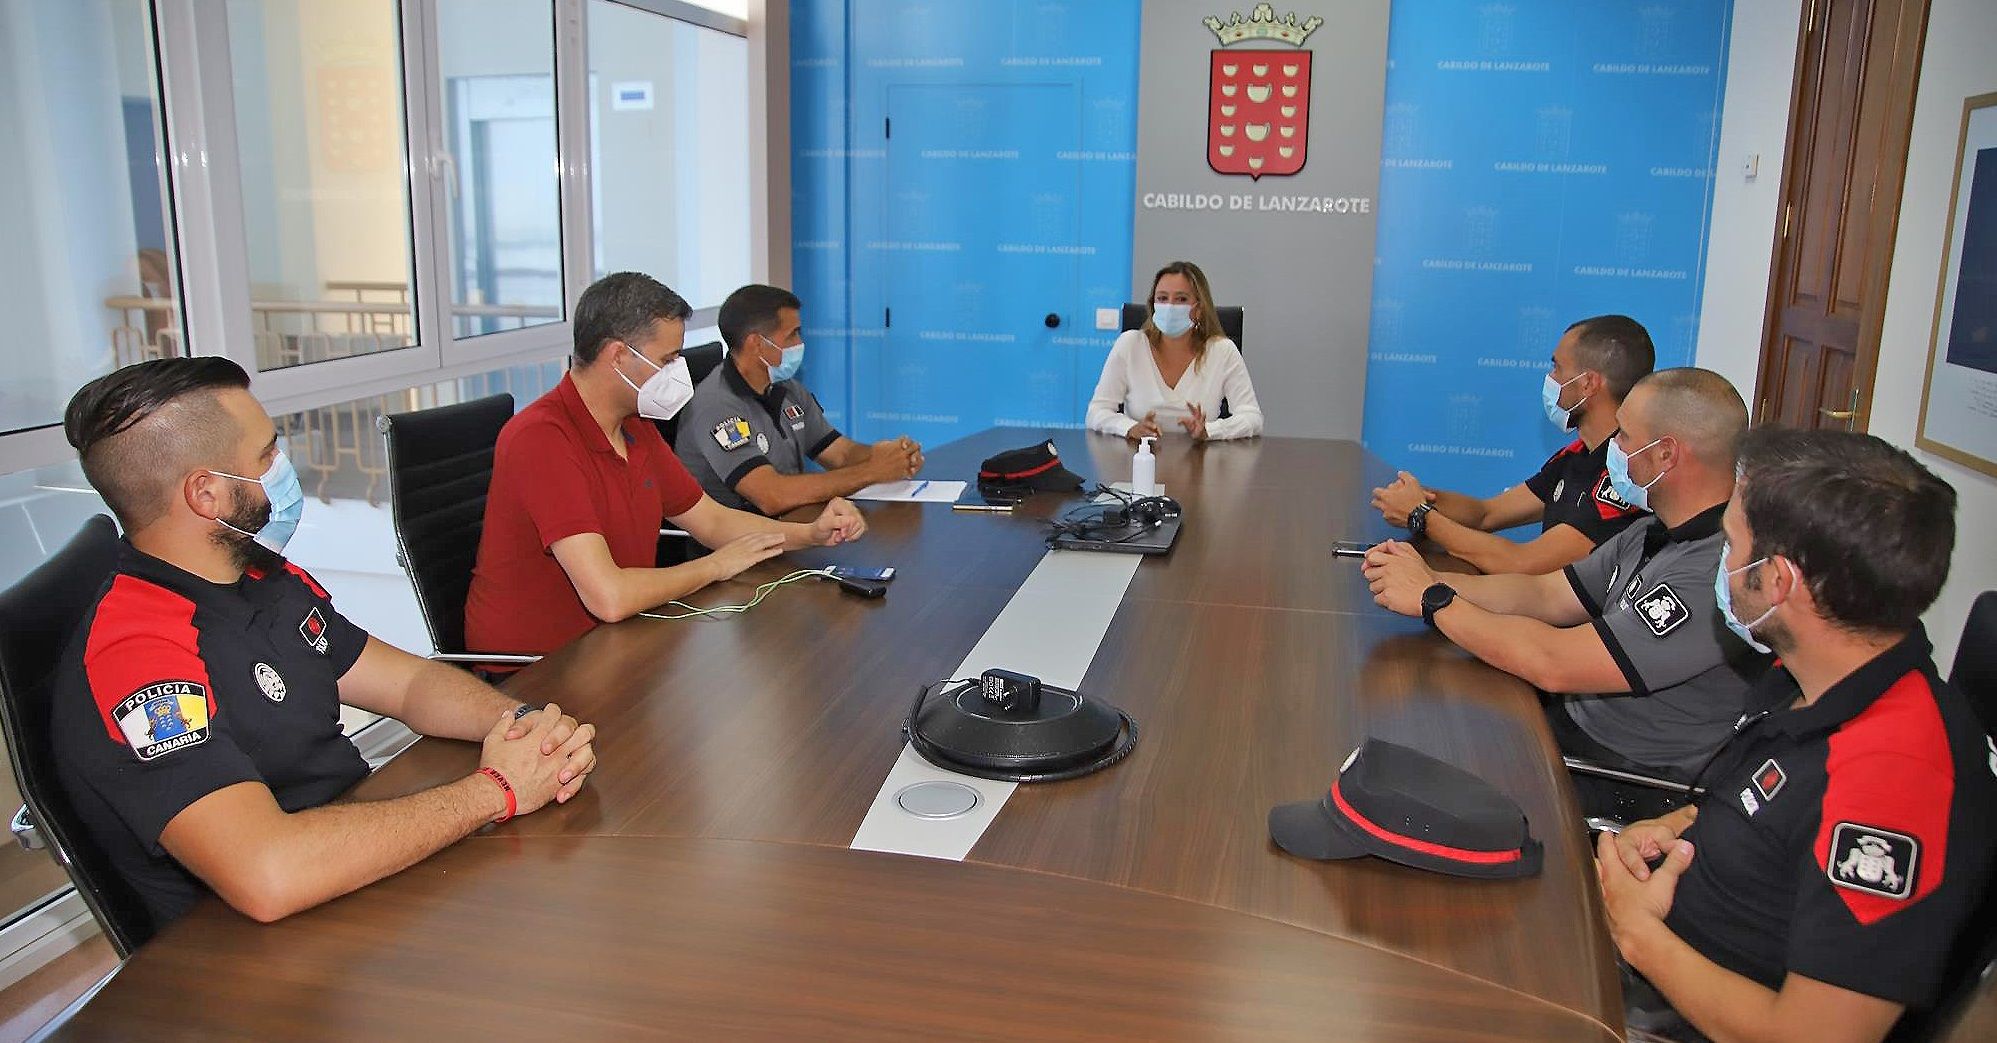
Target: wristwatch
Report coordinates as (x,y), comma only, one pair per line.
(1436,598)
(1418,520)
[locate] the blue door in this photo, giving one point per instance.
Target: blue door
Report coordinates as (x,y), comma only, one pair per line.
(979,282)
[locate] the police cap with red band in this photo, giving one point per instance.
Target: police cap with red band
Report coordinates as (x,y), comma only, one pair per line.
(1395,803)
(1033,467)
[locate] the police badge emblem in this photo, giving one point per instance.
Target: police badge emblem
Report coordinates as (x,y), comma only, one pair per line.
(161,718)
(1662,610)
(1875,861)
(732,433)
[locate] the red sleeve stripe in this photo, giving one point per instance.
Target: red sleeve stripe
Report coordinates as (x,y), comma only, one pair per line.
(308,581)
(1891,768)
(143,634)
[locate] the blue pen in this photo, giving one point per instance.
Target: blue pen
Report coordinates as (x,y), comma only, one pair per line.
(919,486)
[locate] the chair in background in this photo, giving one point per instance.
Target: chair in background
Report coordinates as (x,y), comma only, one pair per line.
(38,616)
(701,359)
(677,547)
(1134,316)
(439,471)
(1612,798)
(1972,968)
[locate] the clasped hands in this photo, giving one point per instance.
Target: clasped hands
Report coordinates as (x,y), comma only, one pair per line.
(545,755)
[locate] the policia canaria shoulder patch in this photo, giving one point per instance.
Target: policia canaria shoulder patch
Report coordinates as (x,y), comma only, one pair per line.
(732,433)
(161,718)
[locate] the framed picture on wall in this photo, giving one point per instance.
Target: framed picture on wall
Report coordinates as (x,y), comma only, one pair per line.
(1959,401)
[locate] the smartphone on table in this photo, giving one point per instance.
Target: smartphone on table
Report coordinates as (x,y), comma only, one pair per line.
(879,575)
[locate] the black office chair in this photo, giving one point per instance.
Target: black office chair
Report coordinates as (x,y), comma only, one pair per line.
(1975,669)
(38,615)
(675,546)
(439,470)
(1134,316)
(701,359)
(1973,966)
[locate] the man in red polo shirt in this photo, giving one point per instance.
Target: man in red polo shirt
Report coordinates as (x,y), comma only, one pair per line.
(582,483)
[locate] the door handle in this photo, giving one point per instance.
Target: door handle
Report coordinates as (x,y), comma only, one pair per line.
(1849,416)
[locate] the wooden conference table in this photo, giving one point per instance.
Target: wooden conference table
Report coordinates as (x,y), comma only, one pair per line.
(702,885)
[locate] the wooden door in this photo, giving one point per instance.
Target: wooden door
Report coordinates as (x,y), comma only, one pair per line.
(1857,64)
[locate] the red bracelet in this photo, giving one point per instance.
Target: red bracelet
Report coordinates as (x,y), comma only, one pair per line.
(512,803)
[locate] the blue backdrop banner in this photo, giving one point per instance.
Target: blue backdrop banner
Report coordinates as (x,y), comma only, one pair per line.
(963,178)
(1541,162)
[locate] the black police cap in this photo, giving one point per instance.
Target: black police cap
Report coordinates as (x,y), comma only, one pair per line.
(1404,806)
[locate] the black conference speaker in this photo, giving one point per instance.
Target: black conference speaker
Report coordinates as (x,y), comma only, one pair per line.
(1010,727)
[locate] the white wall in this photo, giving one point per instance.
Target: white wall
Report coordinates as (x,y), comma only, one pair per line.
(1956,65)
(1754,121)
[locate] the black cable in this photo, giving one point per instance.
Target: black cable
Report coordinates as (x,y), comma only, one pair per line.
(1090,521)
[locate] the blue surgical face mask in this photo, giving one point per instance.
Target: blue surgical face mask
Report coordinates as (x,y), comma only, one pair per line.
(1723,591)
(1549,399)
(1172,319)
(287,503)
(1637,496)
(793,360)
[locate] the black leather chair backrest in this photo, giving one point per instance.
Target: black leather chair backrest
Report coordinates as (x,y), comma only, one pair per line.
(38,616)
(701,359)
(1230,321)
(1971,967)
(1975,669)
(439,469)
(1230,324)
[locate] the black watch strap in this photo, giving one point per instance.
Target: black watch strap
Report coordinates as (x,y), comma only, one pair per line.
(1418,520)
(1436,598)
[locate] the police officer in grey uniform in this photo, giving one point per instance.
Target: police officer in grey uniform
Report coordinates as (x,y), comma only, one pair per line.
(1647,677)
(752,423)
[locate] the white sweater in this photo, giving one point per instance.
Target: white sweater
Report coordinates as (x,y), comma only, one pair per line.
(1131,379)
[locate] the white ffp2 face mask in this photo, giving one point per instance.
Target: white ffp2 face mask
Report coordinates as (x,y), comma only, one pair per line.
(666,391)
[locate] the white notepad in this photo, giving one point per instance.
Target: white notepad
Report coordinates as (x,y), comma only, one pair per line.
(918,491)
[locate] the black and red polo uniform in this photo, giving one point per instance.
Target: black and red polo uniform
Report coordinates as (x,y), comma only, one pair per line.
(175,687)
(1574,486)
(1847,840)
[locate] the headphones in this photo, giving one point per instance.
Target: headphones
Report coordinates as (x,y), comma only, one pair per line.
(1148,511)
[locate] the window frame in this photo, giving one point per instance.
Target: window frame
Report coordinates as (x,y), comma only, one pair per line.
(203,185)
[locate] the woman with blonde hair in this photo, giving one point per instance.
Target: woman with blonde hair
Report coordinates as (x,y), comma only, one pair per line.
(1172,373)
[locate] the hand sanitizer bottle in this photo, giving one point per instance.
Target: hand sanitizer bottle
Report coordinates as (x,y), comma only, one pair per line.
(1144,470)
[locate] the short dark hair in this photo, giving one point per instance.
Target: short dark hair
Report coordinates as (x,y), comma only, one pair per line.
(1617,347)
(1698,407)
(130,471)
(622,306)
(753,309)
(1870,528)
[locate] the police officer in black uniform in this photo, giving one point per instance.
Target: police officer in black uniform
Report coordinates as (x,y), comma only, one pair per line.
(1594,366)
(1849,827)
(196,720)
(1641,674)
